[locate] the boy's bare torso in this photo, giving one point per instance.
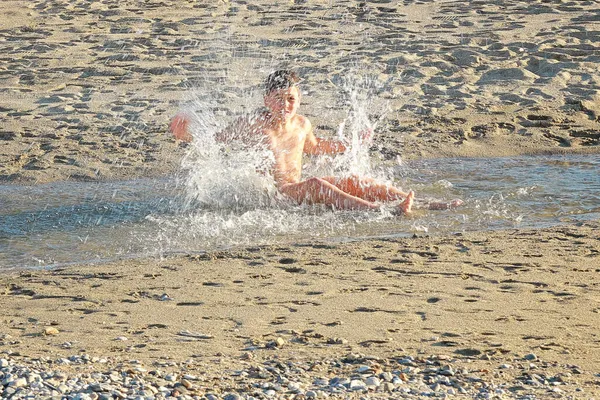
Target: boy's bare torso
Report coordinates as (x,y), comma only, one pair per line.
(286,140)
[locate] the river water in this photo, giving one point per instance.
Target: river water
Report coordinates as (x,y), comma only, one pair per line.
(80,222)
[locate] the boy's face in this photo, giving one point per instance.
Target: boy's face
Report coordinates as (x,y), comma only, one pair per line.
(283,102)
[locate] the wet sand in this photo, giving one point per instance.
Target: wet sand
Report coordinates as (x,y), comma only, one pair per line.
(88,88)
(500,304)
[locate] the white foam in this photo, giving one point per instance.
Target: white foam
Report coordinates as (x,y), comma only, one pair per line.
(229,192)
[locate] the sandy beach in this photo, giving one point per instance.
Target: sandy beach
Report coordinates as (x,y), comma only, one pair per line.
(499,308)
(87,90)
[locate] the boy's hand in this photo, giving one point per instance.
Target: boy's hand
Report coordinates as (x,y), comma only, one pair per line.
(179,127)
(366,135)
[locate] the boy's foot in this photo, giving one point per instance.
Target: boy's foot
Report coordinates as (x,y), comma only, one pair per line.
(437,205)
(407,203)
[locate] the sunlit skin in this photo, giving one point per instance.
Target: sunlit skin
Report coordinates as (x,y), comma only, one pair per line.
(289,135)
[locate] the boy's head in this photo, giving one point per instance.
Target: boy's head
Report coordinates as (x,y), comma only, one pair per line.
(282,96)
(281,79)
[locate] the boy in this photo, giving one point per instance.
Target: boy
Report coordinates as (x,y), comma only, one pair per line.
(288,135)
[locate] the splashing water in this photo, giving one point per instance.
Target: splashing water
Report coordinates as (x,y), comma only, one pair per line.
(69,222)
(224,176)
(229,193)
(358,95)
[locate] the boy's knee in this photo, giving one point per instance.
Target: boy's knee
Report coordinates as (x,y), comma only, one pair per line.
(314,181)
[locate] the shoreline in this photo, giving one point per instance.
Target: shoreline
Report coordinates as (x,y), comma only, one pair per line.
(488,151)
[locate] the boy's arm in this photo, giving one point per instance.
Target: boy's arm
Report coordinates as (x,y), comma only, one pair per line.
(238,130)
(315,145)
(180,127)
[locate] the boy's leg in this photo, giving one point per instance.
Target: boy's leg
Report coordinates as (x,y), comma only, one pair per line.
(367,188)
(318,190)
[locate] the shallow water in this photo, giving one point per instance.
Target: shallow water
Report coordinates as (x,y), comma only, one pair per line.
(74,222)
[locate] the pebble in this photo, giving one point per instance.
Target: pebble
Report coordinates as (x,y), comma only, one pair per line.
(273,378)
(17,383)
(51,331)
(357,384)
(530,357)
(387,376)
(363,369)
(373,381)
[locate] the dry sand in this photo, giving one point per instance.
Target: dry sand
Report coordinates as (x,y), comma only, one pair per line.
(86,93)
(87,88)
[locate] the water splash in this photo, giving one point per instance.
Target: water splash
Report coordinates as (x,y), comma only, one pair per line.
(229,193)
(224,176)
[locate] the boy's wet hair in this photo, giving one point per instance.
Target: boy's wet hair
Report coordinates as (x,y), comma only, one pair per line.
(281,79)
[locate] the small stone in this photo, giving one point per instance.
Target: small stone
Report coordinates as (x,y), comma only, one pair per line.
(337,340)
(19,382)
(357,384)
(530,357)
(388,386)
(363,369)
(3,363)
(279,342)
(293,386)
(121,338)
(310,394)
(387,376)
(51,331)
(187,384)
(171,378)
(372,381)
(232,396)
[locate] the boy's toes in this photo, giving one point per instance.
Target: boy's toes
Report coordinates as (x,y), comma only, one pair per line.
(407,203)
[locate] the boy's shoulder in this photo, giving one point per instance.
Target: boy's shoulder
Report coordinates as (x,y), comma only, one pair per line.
(302,121)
